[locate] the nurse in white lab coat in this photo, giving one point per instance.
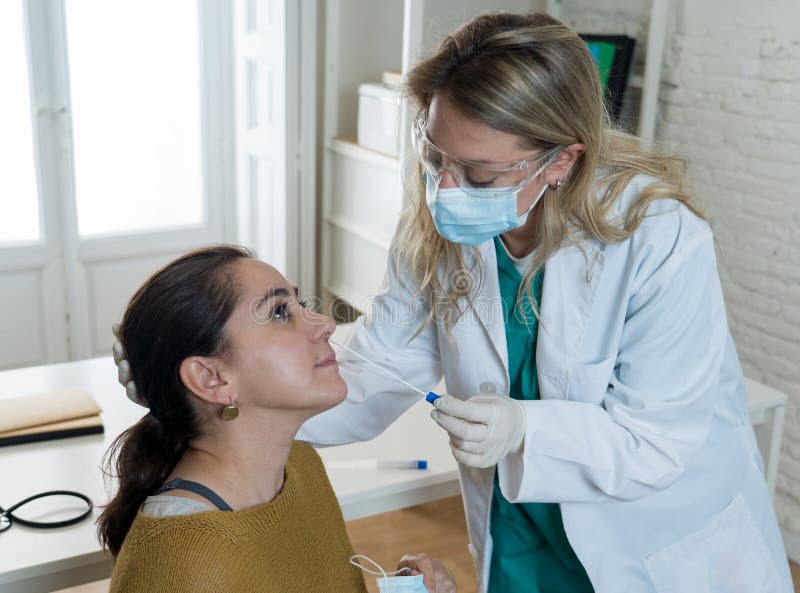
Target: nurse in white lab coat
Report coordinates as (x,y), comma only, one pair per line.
(607,446)
(635,427)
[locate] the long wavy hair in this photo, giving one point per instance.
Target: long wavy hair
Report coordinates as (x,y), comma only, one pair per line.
(531,76)
(180,311)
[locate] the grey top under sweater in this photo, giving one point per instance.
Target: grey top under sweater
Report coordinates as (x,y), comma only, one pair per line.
(164,505)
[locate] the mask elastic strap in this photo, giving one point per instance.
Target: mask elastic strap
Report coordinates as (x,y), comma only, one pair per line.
(382,572)
(524,216)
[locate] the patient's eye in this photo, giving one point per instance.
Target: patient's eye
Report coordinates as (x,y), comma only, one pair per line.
(281,312)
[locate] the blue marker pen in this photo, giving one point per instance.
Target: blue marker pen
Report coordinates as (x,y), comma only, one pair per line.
(430,397)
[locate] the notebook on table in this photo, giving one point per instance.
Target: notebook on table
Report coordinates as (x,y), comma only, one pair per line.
(46,416)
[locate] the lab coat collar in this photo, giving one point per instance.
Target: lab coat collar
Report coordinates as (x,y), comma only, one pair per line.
(571,278)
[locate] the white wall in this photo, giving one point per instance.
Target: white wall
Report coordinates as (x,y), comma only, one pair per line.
(730,101)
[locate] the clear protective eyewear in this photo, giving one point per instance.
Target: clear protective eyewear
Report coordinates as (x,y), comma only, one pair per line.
(474,174)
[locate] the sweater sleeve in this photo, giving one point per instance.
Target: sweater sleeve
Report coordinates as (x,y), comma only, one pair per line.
(168,563)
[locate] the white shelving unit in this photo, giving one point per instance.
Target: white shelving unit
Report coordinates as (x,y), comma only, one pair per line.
(361,189)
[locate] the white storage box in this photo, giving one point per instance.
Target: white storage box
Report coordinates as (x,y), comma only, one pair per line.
(379,118)
(366,190)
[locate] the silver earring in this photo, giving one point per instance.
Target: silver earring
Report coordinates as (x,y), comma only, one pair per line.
(557,185)
(229,412)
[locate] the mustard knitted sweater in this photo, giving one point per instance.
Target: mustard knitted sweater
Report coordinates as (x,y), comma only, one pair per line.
(295,543)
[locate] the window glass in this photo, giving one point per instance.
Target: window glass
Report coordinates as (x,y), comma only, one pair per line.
(19,198)
(135,100)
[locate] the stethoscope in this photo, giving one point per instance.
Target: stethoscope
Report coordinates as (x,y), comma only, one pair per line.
(7,516)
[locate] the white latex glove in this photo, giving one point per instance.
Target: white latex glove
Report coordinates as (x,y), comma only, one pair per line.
(483,429)
(124,369)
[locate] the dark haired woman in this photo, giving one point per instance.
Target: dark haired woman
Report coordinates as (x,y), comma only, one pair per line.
(214,493)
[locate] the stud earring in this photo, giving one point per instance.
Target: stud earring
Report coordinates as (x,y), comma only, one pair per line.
(229,412)
(557,185)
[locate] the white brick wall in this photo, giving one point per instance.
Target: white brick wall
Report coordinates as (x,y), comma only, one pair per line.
(730,101)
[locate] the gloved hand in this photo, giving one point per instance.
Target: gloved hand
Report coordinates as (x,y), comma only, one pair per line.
(483,429)
(123,368)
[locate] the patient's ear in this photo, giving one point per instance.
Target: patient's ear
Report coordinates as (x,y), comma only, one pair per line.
(206,378)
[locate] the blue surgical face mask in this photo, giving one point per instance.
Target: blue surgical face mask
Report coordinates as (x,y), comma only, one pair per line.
(412,584)
(389,583)
(470,216)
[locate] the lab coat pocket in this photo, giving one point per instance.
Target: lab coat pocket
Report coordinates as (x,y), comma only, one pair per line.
(589,382)
(728,554)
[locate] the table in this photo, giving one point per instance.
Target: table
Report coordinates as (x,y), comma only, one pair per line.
(35,561)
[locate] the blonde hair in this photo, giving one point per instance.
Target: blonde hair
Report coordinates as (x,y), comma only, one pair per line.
(531,76)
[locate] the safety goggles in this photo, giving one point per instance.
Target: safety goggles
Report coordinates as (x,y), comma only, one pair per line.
(474,174)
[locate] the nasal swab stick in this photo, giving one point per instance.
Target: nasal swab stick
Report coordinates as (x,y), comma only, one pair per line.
(377,464)
(430,396)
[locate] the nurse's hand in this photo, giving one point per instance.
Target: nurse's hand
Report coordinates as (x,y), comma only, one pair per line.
(123,368)
(435,576)
(483,429)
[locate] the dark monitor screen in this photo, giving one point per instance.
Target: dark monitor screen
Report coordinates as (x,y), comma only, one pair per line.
(613,55)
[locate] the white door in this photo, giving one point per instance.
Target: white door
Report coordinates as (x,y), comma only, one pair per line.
(132,126)
(275,57)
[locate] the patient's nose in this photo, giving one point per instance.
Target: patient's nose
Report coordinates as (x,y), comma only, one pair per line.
(322,326)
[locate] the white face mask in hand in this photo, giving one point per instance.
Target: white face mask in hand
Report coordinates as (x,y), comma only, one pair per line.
(393,583)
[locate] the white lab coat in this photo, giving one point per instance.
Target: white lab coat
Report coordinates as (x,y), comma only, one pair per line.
(641,433)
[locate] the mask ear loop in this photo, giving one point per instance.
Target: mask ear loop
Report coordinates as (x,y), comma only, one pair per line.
(354,562)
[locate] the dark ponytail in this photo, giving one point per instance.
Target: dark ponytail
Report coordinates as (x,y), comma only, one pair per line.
(180,311)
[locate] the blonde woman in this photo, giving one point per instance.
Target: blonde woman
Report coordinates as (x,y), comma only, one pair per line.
(564,282)
(549,258)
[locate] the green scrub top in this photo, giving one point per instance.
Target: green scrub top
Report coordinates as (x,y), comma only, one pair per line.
(531,552)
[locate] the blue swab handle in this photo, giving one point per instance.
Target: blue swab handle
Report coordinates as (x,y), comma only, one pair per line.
(432,397)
